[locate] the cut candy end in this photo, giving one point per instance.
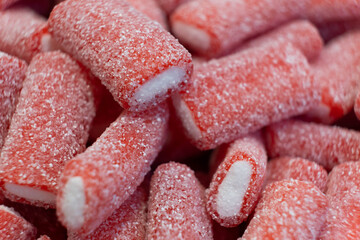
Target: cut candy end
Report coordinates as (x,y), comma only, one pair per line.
(73,203)
(195,37)
(48,44)
(31,194)
(158,86)
(233,188)
(186,117)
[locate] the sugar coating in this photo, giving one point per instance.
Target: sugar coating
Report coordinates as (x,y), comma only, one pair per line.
(21,32)
(13,226)
(240,93)
(122,47)
(170,5)
(12,74)
(177,205)
(296,168)
(301,33)
(343,192)
(288,209)
(325,145)
(238,198)
(338,77)
(50,125)
(151,9)
(126,223)
(114,166)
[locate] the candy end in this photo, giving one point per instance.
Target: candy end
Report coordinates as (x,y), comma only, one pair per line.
(48,44)
(31,194)
(73,203)
(233,188)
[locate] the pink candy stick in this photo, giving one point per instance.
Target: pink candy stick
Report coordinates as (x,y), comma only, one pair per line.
(339,78)
(177,205)
(128,222)
(24,33)
(301,33)
(49,127)
(343,192)
(138,61)
(241,93)
(236,185)
(151,9)
(325,145)
(11,79)
(13,226)
(95,183)
(296,168)
(288,209)
(170,5)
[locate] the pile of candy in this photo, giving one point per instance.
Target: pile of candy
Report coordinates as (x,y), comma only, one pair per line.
(179,119)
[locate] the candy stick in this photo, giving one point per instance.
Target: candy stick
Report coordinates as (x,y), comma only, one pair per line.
(236,185)
(43,237)
(151,9)
(95,183)
(176,205)
(127,222)
(170,5)
(301,33)
(295,168)
(325,145)
(343,192)
(11,79)
(138,61)
(49,127)
(13,226)
(288,209)
(24,33)
(241,93)
(339,78)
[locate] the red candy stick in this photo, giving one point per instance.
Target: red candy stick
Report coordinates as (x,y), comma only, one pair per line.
(137,60)
(288,209)
(128,222)
(49,127)
(24,33)
(13,226)
(339,78)
(151,9)
(95,183)
(12,74)
(236,185)
(177,205)
(325,145)
(296,168)
(241,93)
(301,33)
(170,5)
(343,192)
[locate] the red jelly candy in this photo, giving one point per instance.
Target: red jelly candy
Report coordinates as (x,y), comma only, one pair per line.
(236,185)
(177,205)
(288,209)
(95,183)
(49,127)
(138,61)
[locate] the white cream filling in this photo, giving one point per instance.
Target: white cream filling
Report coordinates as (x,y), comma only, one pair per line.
(31,194)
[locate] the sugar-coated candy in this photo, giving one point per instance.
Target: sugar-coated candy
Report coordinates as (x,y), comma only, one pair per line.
(214,27)
(325,145)
(301,33)
(288,209)
(170,5)
(24,33)
(236,185)
(296,168)
(12,74)
(128,222)
(95,183)
(338,78)
(13,226)
(50,126)
(343,192)
(241,93)
(138,61)
(177,205)
(151,9)
(43,237)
